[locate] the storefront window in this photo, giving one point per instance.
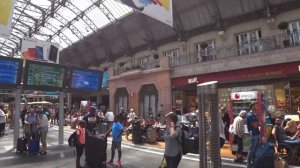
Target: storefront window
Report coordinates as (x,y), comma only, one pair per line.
(121,99)
(149,100)
(178,100)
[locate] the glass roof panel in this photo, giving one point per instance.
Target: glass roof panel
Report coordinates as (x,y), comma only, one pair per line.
(82,27)
(80,5)
(25,14)
(117,8)
(97,16)
(70,35)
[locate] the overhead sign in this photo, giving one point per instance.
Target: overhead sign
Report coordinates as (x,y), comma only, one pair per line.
(161,10)
(6,14)
(244,95)
(40,50)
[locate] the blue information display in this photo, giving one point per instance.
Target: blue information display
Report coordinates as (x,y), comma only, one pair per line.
(9,71)
(86,80)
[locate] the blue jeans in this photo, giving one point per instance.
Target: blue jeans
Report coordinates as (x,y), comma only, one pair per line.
(254,142)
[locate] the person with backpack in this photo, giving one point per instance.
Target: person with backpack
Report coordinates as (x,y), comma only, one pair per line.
(43,128)
(173,149)
(80,141)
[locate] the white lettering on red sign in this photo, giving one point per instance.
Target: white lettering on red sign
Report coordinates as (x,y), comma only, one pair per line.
(192,80)
(243,95)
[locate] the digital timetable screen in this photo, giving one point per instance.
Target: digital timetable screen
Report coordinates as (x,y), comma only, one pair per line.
(89,80)
(10,71)
(44,75)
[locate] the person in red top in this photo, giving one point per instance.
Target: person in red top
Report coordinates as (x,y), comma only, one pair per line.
(80,132)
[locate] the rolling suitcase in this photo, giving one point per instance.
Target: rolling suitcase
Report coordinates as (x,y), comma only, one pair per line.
(264,156)
(103,128)
(151,136)
(95,151)
(34,145)
(21,145)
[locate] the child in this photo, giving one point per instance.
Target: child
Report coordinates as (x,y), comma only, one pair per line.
(117,130)
(80,132)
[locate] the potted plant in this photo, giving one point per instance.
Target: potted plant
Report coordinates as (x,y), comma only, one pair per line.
(203,45)
(155,56)
(284,27)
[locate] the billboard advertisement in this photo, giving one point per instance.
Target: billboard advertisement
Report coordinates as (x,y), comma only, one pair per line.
(161,10)
(6,14)
(40,50)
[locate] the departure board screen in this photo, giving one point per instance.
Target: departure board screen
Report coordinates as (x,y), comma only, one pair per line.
(44,75)
(9,71)
(86,79)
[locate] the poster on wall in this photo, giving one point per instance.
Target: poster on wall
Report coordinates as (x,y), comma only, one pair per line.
(6,14)
(40,50)
(161,10)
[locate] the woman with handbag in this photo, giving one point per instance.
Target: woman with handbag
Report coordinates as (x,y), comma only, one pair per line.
(173,150)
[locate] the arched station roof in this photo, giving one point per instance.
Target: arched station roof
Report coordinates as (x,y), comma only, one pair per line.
(61,21)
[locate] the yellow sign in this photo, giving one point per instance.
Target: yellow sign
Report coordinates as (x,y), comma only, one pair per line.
(5,10)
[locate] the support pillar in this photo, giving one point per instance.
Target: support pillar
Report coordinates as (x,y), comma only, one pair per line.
(61,119)
(16,116)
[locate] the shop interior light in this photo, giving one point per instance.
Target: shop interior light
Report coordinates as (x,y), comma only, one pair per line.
(207,83)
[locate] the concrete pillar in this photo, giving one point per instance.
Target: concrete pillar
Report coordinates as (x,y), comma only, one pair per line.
(61,119)
(17,116)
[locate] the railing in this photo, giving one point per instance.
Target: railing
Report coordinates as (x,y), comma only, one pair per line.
(143,66)
(245,48)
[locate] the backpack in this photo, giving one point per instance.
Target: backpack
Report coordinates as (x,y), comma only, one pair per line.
(184,140)
(72,139)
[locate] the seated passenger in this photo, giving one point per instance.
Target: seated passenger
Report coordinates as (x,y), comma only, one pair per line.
(281,137)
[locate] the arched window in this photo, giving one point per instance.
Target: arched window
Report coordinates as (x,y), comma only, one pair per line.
(148,100)
(121,99)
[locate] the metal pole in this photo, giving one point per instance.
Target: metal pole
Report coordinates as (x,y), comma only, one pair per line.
(208,95)
(61,119)
(16,116)
(202,135)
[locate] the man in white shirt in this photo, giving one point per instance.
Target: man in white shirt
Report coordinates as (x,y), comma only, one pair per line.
(2,120)
(110,117)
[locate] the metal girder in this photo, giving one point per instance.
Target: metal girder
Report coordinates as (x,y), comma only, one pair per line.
(104,10)
(149,39)
(215,14)
(61,35)
(32,7)
(178,26)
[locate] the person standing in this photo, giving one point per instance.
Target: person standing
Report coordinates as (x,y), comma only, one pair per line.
(92,120)
(2,120)
(109,117)
(239,132)
(253,128)
(226,121)
(43,128)
(117,130)
(32,121)
(80,142)
(173,150)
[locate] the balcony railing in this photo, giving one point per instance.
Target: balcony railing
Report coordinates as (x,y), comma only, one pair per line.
(143,66)
(245,48)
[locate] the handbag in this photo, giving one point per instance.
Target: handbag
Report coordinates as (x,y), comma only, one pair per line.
(163,163)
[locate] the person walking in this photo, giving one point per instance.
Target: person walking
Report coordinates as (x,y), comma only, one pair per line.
(117,131)
(253,128)
(80,142)
(239,132)
(173,150)
(2,120)
(43,128)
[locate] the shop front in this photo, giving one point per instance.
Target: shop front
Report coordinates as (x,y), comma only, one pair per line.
(279,86)
(276,89)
